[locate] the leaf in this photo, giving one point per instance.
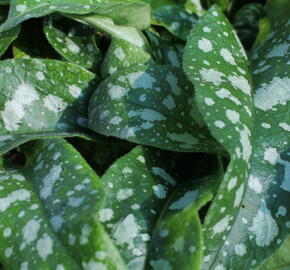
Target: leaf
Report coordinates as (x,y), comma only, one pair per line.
(71,194)
(56,92)
(122,54)
(177,238)
(261,222)
(7,37)
(74,41)
(216,62)
(175,19)
(130,105)
(136,186)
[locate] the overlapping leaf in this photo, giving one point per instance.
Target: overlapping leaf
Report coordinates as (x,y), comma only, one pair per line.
(177,241)
(74,41)
(136,187)
(41,98)
(150,105)
(216,62)
(47,212)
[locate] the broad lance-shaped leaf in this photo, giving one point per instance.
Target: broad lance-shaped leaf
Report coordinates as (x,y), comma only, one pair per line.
(74,41)
(71,194)
(123,54)
(41,98)
(152,106)
(136,187)
(177,238)
(217,64)
(21,10)
(175,19)
(7,37)
(263,220)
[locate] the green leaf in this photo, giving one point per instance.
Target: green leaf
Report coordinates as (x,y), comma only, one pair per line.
(177,238)
(74,41)
(136,187)
(42,98)
(7,37)
(71,194)
(152,106)
(175,19)
(258,220)
(277,9)
(123,54)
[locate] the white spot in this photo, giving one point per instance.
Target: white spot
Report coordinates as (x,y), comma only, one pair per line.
(147,115)
(184,201)
(100,255)
(125,230)
(117,92)
(212,76)
(14,196)
(116,120)
(30,230)
(228,57)
(205,45)
(271,155)
(232,183)
(24,266)
(246,143)
(264,227)
(219,124)
(164,175)
(209,101)
(119,54)
(282,211)
(72,46)
(278,50)
(185,138)
(285,126)
(173,83)
(75,202)
(160,191)
(44,246)
(179,244)
(93,265)
(241,83)
(40,76)
(137,263)
(233,116)
(75,91)
(7,232)
(224,93)
(49,181)
(105,214)
(169,103)
(240,249)
(266,125)
(56,222)
(239,195)
(141,80)
(221,225)
(124,194)
(54,103)
(272,94)
(86,231)
(255,184)
(14,110)
(206,29)
(21,8)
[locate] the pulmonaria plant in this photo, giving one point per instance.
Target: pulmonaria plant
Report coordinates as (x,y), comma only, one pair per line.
(143,135)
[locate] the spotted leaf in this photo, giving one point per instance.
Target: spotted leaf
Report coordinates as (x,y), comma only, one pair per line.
(71,194)
(41,98)
(74,41)
(152,106)
(136,187)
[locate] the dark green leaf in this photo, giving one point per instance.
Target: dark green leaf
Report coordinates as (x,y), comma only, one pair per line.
(152,106)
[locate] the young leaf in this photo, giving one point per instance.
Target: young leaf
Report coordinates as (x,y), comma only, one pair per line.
(152,106)
(177,238)
(175,19)
(136,186)
(42,98)
(71,194)
(74,41)
(123,54)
